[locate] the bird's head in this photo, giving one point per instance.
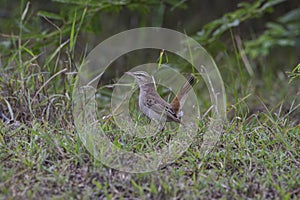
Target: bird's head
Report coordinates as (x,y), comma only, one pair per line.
(141,77)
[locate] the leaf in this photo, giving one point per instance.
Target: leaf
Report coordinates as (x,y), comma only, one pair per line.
(49,15)
(292,16)
(72,34)
(270,4)
(78,2)
(225,27)
(213,30)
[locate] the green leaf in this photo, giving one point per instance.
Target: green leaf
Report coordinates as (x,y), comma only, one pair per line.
(49,15)
(270,4)
(72,34)
(292,16)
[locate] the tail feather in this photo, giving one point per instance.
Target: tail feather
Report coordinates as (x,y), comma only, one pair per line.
(178,101)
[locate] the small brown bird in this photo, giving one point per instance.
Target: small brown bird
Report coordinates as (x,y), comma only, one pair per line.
(155,107)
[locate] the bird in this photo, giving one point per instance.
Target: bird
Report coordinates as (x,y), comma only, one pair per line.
(153,105)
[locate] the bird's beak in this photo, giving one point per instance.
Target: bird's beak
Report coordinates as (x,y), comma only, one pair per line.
(129,73)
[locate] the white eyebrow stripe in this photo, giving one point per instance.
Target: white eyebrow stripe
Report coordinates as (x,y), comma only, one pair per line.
(140,74)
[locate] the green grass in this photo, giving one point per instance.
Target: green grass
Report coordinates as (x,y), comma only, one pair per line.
(257,157)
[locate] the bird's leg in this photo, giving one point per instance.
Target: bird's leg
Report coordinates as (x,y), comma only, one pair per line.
(161,126)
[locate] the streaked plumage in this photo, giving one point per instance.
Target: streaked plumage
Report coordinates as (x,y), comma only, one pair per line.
(155,107)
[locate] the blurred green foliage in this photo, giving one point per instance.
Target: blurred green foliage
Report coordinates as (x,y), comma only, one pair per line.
(284,32)
(50,23)
(246,11)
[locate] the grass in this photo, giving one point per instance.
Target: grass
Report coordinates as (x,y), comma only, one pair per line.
(258,157)
(42,156)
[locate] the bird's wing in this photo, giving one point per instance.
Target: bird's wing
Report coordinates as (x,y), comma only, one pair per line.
(161,110)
